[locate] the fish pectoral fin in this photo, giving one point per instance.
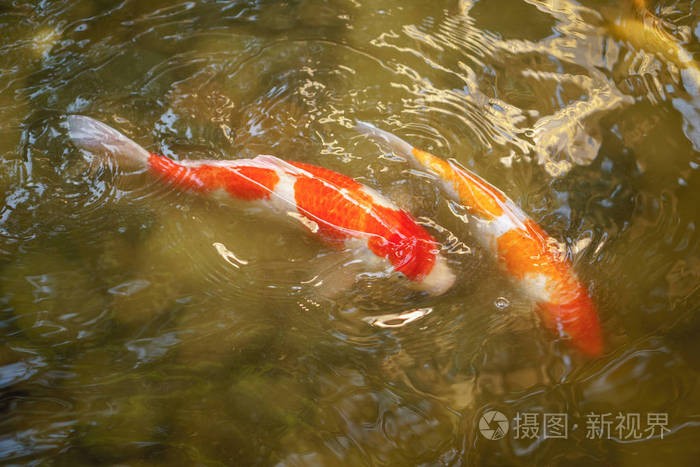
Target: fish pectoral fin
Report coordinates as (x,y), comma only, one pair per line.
(336,276)
(397,320)
(311,225)
(339,271)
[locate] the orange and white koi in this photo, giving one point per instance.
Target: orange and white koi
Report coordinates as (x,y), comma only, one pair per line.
(337,208)
(525,251)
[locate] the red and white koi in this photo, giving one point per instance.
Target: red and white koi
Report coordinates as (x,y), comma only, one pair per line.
(337,208)
(525,251)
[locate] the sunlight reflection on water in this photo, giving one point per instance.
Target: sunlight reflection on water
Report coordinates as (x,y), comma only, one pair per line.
(145,325)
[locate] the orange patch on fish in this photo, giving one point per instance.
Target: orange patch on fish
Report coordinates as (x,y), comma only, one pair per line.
(578,319)
(526,251)
(481,199)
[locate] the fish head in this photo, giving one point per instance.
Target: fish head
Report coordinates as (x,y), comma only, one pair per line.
(418,259)
(576,320)
(438,280)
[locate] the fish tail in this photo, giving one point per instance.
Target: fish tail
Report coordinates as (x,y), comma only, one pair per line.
(461,184)
(416,157)
(398,145)
(99,138)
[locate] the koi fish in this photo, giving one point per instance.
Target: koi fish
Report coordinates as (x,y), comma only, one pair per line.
(337,208)
(524,250)
(646,31)
(636,25)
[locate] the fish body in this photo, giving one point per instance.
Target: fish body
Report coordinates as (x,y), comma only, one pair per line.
(524,250)
(338,209)
(636,24)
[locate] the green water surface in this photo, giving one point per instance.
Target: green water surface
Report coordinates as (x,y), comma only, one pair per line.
(128,338)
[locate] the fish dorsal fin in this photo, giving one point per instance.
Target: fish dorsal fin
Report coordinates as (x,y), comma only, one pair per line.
(267,160)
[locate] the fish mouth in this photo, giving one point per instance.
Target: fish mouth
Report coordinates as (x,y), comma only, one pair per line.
(578,322)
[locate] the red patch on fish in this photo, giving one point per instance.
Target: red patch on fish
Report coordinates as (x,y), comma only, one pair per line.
(323,196)
(242,182)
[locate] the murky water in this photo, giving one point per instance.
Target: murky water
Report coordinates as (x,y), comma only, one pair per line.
(143,326)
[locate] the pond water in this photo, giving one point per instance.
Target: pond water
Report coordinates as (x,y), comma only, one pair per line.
(140,325)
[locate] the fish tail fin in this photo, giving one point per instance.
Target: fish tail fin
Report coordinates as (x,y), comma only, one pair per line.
(94,136)
(399,146)
(414,156)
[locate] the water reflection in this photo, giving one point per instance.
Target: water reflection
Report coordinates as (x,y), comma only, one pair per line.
(130,336)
